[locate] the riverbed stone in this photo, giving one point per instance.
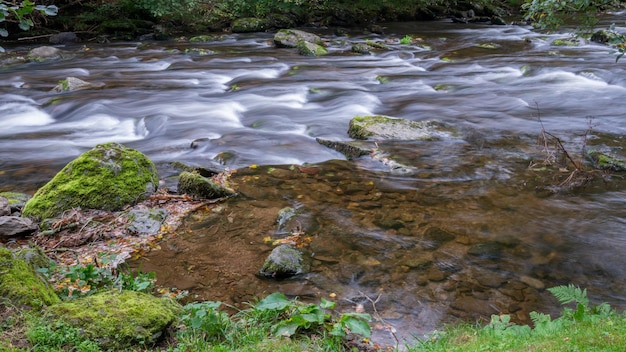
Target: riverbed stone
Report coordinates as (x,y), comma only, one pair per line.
(16,200)
(289,38)
(533,282)
(377,127)
(107,177)
(5,209)
(310,49)
(71,84)
(198,186)
(146,221)
(118,320)
(285,261)
(13,226)
(21,285)
(45,53)
(350,149)
(435,237)
(64,38)
(607,161)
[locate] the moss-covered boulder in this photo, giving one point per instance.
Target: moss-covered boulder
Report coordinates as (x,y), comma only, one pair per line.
(20,284)
(198,186)
(118,320)
(285,261)
(310,49)
(289,38)
(388,128)
(108,177)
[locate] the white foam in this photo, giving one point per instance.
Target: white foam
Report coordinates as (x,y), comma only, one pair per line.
(18,114)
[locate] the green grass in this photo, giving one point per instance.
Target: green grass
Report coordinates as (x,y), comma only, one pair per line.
(276,324)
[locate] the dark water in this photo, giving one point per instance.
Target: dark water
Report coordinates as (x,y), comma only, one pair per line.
(374,232)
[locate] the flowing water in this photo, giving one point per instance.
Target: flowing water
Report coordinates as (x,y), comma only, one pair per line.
(463,235)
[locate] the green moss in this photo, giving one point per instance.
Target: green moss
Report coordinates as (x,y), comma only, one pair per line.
(566,42)
(198,186)
(21,285)
(15,198)
(607,161)
(359,124)
(310,49)
(119,319)
(109,177)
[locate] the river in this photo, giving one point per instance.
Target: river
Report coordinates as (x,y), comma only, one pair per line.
(465,235)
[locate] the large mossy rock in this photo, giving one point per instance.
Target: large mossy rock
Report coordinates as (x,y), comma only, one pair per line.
(118,320)
(310,49)
(20,284)
(108,177)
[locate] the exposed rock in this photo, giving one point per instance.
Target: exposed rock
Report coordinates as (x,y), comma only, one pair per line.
(21,285)
(284,261)
(249,24)
(16,200)
(289,38)
(45,53)
(5,209)
(12,226)
(146,221)
(361,48)
(601,36)
(198,186)
(64,38)
(71,84)
(310,49)
(607,161)
(118,320)
(566,42)
(388,128)
(107,177)
(352,150)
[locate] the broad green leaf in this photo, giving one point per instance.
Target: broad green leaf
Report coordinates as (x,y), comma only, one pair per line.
(275,301)
(358,326)
(286,328)
(337,330)
(50,10)
(326,304)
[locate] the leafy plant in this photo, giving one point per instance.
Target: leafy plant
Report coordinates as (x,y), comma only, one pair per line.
(307,317)
(22,13)
(407,39)
(206,321)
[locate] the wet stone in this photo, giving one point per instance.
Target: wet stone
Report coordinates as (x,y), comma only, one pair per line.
(434,274)
(532,282)
(5,209)
(435,237)
(488,250)
(389,224)
(489,278)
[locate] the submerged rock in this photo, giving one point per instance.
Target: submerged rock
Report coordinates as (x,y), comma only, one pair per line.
(107,177)
(119,320)
(284,261)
